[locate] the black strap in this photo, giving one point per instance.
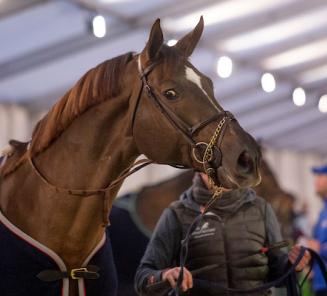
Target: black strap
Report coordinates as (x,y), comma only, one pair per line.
(266,286)
(288,276)
(162,288)
(177,122)
(316,258)
(184,252)
(89,273)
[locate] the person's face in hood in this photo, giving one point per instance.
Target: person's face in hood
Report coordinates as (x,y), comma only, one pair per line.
(205,180)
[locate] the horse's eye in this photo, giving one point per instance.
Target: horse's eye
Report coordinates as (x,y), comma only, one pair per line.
(171,94)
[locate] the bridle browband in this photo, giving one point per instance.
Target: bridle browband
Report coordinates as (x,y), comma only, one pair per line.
(186,130)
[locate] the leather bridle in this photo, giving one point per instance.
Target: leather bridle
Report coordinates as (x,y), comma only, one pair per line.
(211,159)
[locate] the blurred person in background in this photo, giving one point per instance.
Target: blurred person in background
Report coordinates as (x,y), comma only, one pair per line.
(319,243)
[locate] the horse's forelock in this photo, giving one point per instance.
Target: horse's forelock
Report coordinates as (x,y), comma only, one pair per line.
(172,58)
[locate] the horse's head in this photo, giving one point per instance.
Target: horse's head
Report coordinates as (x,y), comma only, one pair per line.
(178,121)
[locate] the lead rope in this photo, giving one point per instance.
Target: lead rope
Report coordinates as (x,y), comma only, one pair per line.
(217,193)
(208,156)
(185,242)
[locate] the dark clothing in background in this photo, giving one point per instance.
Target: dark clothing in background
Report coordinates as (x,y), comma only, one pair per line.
(320,234)
(129,238)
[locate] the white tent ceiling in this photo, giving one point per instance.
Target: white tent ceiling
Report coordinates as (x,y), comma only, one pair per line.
(47,45)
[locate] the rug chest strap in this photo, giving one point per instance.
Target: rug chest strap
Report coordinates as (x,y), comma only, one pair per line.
(89,273)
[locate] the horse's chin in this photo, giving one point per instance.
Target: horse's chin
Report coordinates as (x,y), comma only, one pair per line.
(225,181)
(229,182)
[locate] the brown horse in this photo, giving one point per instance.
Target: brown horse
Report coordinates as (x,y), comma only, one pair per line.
(154,103)
(165,193)
(281,201)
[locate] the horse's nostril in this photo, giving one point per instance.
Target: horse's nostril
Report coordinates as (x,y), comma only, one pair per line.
(245,163)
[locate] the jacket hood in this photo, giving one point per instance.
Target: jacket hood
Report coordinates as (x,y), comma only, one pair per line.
(248,195)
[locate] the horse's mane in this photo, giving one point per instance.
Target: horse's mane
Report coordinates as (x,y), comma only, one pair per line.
(97,85)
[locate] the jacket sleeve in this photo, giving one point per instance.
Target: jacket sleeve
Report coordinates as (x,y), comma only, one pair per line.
(323,250)
(161,252)
(321,234)
(277,259)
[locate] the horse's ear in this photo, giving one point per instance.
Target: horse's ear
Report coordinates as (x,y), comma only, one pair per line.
(152,48)
(187,44)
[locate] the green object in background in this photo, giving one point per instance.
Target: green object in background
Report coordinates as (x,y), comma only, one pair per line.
(306,287)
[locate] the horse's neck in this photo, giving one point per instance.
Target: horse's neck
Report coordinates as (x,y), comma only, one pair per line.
(152,201)
(94,150)
(91,153)
(150,205)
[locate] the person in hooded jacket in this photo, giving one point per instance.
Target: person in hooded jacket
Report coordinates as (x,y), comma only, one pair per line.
(236,237)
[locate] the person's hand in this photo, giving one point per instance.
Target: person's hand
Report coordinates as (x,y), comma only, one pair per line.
(171,275)
(294,253)
(313,244)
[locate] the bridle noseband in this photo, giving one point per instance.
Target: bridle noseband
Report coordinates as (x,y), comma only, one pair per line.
(211,159)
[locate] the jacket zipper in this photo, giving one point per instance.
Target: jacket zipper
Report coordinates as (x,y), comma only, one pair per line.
(226,254)
(222,221)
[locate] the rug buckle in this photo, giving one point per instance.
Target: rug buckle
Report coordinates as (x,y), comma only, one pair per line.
(73,273)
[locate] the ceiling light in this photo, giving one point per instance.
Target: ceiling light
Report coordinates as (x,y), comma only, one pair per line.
(322,106)
(171,42)
(299,96)
(268,82)
(277,32)
(297,55)
(222,12)
(99,26)
(224,67)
